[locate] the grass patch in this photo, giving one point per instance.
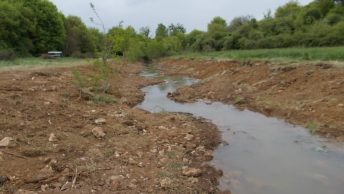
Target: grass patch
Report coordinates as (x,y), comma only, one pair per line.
(103,99)
(28,63)
(312,127)
(283,54)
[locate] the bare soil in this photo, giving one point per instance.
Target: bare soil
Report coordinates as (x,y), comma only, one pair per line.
(66,144)
(308,95)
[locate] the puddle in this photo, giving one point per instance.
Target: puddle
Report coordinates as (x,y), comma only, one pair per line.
(263,155)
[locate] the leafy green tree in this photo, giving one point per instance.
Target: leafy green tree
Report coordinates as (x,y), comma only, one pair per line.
(80,41)
(175,30)
(161,31)
(120,38)
(237,22)
(218,24)
(13,16)
(49,32)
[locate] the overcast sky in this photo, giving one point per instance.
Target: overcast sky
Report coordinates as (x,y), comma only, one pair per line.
(193,14)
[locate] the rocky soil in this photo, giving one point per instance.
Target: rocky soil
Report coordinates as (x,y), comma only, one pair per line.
(308,95)
(53,141)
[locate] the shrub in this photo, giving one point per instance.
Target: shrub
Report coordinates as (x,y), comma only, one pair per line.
(7,55)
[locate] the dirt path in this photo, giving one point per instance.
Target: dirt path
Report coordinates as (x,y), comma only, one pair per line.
(57,142)
(309,95)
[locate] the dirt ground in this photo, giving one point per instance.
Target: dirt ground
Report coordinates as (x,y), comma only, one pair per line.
(56,142)
(308,95)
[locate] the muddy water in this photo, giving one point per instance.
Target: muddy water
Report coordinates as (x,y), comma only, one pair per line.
(263,155)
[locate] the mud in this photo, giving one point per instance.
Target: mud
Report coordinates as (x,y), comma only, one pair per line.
(65,144)
(308,95)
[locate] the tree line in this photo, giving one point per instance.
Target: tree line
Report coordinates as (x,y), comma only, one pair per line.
(32,27)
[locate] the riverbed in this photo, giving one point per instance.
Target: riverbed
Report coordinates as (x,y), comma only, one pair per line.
(260,155)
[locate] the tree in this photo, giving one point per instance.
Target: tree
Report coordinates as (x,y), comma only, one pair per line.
(145,31)
(12,35)
(161,31)
(218,24)
(79,39)
(175,30)
(49,32)
(121,39)
(237,22)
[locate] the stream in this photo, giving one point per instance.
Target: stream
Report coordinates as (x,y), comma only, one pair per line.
(264,155)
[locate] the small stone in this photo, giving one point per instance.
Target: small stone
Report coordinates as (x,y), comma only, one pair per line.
(162,128)
(7,142)
(100,121)
(341,105)
(193,180)
(192,172)
(189,137)
(132,186)
(98,132)
(44,187)
(141,165)
(166,183)
(132,161)
(117,177)
(52,137)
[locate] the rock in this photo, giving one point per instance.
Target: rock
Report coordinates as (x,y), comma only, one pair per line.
(162,128)
(52,137)
(341,105)
(7,142)
(3,180)
(116,177)
(141,165)
(132,161)
(189,137)
(166,183)
(132,186)
(192,172)
(44,187)
(100,121)
(193,180)
(98,132)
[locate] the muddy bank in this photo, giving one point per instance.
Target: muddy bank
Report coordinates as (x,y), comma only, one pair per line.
(308,95)
(53,141)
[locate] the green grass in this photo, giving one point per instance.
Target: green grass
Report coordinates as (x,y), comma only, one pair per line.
(29,63)
(312,127)
(283,54)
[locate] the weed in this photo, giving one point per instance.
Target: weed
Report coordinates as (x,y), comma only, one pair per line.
(238,100)
(79,80)
(312,127)
(104,99)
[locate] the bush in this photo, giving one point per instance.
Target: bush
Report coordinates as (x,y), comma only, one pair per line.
(7,55)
